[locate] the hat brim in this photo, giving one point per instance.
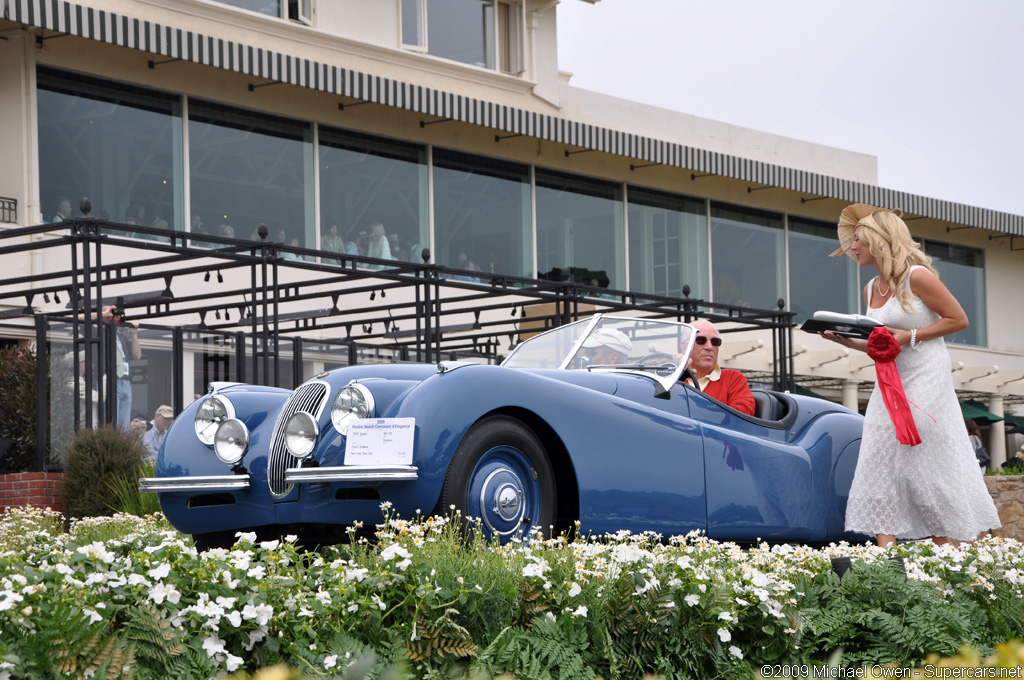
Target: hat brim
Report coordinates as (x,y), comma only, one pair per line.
(848,219)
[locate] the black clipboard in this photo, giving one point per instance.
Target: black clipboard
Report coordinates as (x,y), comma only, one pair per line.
(848,325)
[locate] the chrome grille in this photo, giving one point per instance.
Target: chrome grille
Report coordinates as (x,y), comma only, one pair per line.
(311,398)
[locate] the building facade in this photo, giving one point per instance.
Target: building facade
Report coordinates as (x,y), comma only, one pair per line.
(386,127)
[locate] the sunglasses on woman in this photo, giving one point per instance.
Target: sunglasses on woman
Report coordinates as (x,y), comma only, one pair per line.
(703,340)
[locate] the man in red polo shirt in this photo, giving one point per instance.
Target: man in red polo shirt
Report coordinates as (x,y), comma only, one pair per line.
(726,385)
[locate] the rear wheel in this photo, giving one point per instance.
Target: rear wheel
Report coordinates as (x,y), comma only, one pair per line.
(501,474)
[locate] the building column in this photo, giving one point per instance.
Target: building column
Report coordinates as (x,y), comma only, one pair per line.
(997,433)
(850,398)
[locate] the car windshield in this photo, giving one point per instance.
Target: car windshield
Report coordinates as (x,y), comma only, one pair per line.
(610,343)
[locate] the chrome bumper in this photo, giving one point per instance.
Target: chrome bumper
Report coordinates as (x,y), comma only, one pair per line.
(351,473)
(210,483)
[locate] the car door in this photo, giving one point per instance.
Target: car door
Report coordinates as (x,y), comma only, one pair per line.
(758,485)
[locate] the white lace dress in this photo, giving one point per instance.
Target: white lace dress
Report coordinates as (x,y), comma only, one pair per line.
(934,488)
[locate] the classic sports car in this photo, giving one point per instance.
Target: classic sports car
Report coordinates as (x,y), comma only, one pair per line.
(592,421)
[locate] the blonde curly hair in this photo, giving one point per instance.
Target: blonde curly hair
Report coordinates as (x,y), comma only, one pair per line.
(895,252)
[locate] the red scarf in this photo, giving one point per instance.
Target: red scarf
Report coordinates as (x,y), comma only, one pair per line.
(883,348)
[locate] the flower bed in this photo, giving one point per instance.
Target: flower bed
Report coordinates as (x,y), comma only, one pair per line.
(130,597)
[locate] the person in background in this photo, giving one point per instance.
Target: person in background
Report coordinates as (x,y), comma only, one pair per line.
(379,246)
(331,242)
(727,385)
(163,418)
(929,487)
(63,209)
(979,449)
(137,429)
(604,347)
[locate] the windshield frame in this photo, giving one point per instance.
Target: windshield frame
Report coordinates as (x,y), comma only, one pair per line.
(684,341)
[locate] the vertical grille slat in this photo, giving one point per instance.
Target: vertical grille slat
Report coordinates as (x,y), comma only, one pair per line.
(311,398)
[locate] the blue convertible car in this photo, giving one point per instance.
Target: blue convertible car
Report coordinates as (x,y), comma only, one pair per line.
(592,421)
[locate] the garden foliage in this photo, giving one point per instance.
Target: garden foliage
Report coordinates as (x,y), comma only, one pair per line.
(100,463)
(128,597)
(18,408)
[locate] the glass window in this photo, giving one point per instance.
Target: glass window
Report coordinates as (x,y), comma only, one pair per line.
(118,145)
(413,34)
(482,213)
(296,10)
(962,270)
(365,181)
(747,257)
(485,33)
(668,244)
(817,281)
(579,230)
(248,169)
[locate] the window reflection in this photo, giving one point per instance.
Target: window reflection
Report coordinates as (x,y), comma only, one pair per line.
(579,230)
(962,270)
(366,181)
(747,257)
(482,214)
(817,281)
(82,122)
(247,169)
(668,244)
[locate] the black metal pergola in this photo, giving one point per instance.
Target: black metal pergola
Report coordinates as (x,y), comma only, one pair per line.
(253,303)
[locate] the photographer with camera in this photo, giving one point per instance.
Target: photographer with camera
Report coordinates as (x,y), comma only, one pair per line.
(127,345)
(127,349)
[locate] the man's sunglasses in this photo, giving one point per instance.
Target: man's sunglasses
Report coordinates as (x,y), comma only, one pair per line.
(703,340)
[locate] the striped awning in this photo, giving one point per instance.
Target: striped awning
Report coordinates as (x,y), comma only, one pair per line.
(175,43)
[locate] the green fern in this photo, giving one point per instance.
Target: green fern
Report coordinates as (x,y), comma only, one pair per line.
(158,646)
(875,615)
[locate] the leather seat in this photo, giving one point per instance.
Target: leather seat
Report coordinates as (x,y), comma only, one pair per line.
(766,406)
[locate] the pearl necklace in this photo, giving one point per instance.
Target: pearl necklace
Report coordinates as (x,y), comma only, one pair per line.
(878,285)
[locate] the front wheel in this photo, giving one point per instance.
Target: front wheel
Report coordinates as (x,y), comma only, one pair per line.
(501,474)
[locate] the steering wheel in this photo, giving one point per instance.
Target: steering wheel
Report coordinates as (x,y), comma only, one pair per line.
(688,375)
(657,359)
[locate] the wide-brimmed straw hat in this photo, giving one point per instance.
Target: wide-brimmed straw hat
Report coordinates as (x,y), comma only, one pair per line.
(848,219)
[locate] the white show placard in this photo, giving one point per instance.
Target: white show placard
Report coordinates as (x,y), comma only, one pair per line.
(380,441)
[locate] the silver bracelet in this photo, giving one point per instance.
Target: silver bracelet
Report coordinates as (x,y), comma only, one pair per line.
(913,338)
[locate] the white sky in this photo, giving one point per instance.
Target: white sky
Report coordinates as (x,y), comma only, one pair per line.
(933,88)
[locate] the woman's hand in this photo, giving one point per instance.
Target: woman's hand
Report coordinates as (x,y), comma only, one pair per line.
(858,344)
(902,336)
(841,339)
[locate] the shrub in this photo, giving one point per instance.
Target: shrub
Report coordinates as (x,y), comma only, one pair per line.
(97,459)
(18,408)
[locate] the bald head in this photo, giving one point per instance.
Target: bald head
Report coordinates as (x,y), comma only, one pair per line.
(705,356)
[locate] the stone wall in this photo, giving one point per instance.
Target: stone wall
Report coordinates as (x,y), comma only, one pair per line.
(39,489)
(1008,494)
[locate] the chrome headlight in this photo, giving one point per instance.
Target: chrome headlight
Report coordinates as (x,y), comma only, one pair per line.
(231,440)
(211,413)
(353,401)
(300,433)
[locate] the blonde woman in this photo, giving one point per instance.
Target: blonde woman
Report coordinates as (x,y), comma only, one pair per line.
(932,488)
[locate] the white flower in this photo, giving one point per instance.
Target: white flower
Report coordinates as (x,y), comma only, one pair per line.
(162,591)
(161,572)
(379,602)
(233,662)
(735,651)
(234,618)
(392,551)
(580,611)
(246,536)
(270,545)
(261,613)
(257,572)
(724,635)
(213,645)
(724,616)
(93,616)
(692,600)
(331,661)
